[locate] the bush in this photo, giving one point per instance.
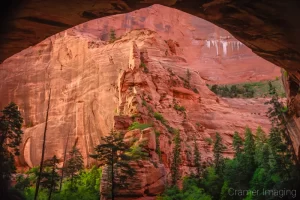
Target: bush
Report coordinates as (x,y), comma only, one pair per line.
(208,140)
(190,191)
(137,125)
(88,187)
(179,108)
(159,117)
(145,68)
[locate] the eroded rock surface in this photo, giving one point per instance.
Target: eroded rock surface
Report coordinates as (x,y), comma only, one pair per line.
(97,85)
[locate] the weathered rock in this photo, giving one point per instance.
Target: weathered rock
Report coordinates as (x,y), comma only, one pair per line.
(148,136)
(90,85)
(260,25)
(149,179)
(132,76)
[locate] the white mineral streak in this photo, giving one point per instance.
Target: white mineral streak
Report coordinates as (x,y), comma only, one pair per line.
(225,43)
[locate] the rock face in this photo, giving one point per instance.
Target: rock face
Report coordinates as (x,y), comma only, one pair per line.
(212,51)
(97,85)
(270,28)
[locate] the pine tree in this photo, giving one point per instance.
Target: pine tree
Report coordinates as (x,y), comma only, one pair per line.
(188,78)
(176,160)
(260,143)
(49,176)
(10,139)
(112,153)
(249,155)
(237,144)
(112,35)
(279,140)
(218,154)
(197,160)
(73,165)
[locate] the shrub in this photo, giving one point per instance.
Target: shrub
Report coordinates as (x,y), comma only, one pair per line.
(137,125)
(145,68)
(112,35)
(157,134)
(159,117)
(208,141)
(179,108)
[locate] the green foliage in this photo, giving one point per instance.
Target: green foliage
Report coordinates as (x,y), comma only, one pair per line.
(137,125)
(22,182)
(136,152)
(179,108)
(187,81)
(197,160)
(237,144)
(49,176)
(208,140)
(175,174)
(212,182)
(157,150)
(249,155)
(112,153)
(88,184)
(261,163)
(218,154)
(10,139)
(159,117)
(112,35)
(73,166)
(247,90)
(285,73)
(144,67)
(190,191)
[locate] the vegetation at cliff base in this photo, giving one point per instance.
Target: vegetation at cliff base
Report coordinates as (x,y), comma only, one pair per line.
(263,167)
(248,90)
(10,139)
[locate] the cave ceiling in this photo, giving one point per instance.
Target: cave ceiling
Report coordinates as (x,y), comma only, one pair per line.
(271,28)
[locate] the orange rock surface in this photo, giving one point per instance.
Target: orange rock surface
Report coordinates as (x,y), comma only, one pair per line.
(98,85)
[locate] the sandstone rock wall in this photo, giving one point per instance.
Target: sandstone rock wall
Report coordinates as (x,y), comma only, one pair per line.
(98,85)
(212,51)
(93,81)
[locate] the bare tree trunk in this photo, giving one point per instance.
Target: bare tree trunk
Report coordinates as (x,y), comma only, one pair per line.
(43,151)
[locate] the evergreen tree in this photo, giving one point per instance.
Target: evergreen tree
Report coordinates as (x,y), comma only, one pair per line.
(188,78)
(233,91)
(249,155)
(175,174)
(237,144)
(73,165)
(112,153)
(215,88)
(260,144)
(197,160)
(49,176)
(282,150)
(218,154)
(112,35)
(10,139)
(249,147)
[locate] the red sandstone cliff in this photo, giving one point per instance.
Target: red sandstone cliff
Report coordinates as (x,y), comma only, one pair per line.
(212,51)
(97,85)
